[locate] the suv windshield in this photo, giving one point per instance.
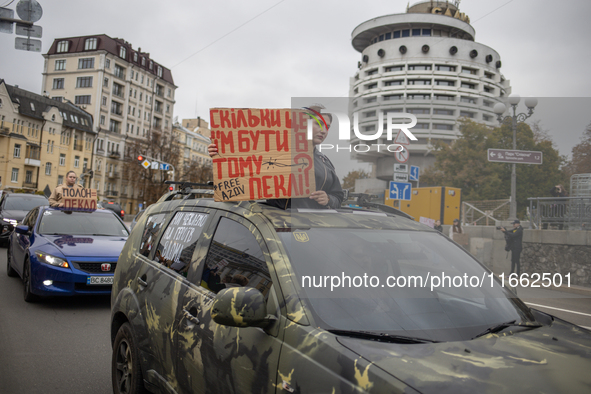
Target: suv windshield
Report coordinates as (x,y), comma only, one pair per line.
(81,223)
(417,284)
(24,202)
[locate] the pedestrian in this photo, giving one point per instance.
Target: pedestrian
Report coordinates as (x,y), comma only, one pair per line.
(514,240)
(55,200)
(438,226)
(329,193)
(455,228)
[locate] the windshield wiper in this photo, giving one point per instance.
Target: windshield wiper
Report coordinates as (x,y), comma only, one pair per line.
(381,336)
(502,326)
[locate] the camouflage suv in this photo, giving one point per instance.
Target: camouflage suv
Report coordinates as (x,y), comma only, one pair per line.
(246,298)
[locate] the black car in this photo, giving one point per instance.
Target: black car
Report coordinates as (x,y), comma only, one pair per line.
(13,208)
(113,206)
(243,297)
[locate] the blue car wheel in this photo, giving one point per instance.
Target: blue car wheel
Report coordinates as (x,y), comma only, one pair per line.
(9,270)
(28,295)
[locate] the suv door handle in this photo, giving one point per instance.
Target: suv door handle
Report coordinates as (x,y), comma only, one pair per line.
(142,282)
(191,316)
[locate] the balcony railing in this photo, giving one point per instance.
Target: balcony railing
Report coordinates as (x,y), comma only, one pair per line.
(113,174)
(32,185)
(114,155)
(563,213)
(112,193)
(78,146)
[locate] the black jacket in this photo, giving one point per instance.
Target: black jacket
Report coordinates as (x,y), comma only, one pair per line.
(514,238)
(326,180)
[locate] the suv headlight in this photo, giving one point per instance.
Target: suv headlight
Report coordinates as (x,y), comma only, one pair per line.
(52,260)
(10,221)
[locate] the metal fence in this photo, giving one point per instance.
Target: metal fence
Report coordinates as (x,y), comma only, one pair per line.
(563,213)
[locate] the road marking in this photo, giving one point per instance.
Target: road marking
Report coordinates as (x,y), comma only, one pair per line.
(558,309)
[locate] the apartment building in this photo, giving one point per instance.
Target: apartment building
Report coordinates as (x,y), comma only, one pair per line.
(193,139)
(127,93)
(41,140)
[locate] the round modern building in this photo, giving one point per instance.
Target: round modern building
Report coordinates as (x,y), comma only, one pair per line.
(424,62)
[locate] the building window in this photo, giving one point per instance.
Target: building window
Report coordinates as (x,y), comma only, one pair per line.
(419,67)
(102,119)
(60,179)
(442,82)
(115,126)
(371,86)
(468,100)
(468,85)
(90,44)
(118,90)
(58,83)
(122,52)
(441,67)
(447,112)
(60,65)
(76,161)
(107,63)
(418,96)
(486,118)
(119,71)
(17,150)
(487,103)
(393,97)
(151,65)
(488,89)
(440,126)
(82,99)
(84,82)
(471,71)
(394,82)
(372,72)
(427,32)
(422,126)
(62,46)
(405,33)
(62,159)
(159,72)
(444,97)
(370,100)
(393,68)
(104,102)
(489,75)
(143,64)
(467,114)
(418,110)
(116,108)
(369,114)
(87,62)
(48,169)
(419,82)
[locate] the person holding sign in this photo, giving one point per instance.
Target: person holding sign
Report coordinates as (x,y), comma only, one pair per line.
(329,193)
(55,200)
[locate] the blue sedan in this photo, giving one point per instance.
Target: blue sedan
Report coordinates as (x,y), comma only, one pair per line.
(59,252)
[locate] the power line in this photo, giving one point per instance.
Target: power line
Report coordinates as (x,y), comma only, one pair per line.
(227,34)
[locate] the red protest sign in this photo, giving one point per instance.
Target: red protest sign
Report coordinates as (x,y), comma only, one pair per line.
(262,154)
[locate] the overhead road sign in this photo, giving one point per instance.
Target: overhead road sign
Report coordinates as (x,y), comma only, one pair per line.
(400,190)
(515,156)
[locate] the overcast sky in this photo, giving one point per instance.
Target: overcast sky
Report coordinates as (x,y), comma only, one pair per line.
(261,53)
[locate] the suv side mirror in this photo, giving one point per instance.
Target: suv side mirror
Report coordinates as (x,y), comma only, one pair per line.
(22,229)
(241,307)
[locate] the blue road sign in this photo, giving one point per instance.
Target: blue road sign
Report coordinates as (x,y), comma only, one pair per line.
(400,190)
(414,173)
(164,167)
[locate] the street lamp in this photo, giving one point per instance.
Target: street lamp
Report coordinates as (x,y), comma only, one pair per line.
(500,109)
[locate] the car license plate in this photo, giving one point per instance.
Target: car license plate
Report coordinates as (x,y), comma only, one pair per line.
(99,280)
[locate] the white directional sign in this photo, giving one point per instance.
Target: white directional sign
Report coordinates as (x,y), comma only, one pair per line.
(146,164)
(398,177)
(400,190)
(402,157)
(414,173)
(400,168)
(515,156)
(155,165)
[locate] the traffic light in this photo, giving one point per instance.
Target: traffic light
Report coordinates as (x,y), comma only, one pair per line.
(171,188)
(140,158)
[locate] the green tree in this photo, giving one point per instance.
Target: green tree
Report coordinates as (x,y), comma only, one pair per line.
(349,179)
(581,160)
(464,164)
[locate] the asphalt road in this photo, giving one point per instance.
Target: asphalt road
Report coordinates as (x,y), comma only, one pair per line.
(62,345)
(59,345)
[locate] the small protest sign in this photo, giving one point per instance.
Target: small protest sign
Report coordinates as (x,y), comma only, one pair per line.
(79,199)
(262,154)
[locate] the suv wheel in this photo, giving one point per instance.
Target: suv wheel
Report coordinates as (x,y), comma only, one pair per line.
(29,296)
(126,372)
(9,270)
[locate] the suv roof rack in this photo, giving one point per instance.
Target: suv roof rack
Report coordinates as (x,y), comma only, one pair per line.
(364,201)
(186,189)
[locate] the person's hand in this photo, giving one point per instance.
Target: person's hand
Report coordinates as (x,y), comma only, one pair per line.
(503,229)
(320,197)
(61,204)
(212,149)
